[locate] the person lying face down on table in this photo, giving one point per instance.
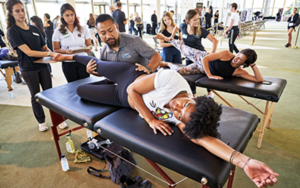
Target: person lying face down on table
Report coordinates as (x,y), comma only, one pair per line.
(165,97)
(217,65)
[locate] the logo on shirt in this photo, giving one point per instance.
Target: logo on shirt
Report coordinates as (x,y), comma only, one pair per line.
(126,56)
(160,113)
(79,35)
(184,36)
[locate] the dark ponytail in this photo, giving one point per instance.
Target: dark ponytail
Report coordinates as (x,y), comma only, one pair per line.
(10,20)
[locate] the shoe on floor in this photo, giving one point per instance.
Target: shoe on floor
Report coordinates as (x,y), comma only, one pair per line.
(43,127)
(63,125)
(288,45)
(211,95)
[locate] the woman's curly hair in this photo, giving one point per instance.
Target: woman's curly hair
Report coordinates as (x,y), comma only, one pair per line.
(204,121)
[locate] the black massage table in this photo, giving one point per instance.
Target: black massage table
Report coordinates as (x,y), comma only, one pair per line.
(270,90)
(125,127)
(10,67)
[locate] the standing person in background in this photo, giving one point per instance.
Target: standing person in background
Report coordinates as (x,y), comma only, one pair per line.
(139,24)
(172,13)
(2,43)
(112,9)
(131,27)
(234,28)
(48,30)
(216,17)
(97,34)
(69,36)
(29,43)
(211,11)
(120,17)
(55,22)
(92,29)
(208,17)
(291,25)
(192,34)
(170,53)
(36,21)
(154,23)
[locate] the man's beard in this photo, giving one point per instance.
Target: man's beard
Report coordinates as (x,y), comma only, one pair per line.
(112,45)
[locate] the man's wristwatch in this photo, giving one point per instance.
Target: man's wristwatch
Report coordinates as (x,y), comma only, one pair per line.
(149,69)
(49,54)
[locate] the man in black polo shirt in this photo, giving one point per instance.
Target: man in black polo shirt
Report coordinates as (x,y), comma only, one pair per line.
(154,22)
(120,18)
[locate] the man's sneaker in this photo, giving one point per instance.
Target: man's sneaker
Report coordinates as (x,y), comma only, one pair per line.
(43,127)
(288,45)
(211,95)
(63,125)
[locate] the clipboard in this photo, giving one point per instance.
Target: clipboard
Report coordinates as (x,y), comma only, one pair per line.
(45,60)
(81,49)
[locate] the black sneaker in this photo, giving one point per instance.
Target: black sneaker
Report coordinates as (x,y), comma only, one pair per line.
(288,45)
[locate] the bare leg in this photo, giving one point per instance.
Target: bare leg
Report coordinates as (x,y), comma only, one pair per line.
(290,35)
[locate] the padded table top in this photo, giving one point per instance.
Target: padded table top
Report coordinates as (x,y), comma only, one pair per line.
(64,101)
(7,63)
(270,90)
(176,152)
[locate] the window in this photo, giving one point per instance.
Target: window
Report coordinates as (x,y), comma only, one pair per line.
(257,4)
(248,4)
(52,10)
(289,3)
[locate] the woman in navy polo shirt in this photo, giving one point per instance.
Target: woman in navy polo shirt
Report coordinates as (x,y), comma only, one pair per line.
(68,37)
(170,53)
(192,34)
(30,45)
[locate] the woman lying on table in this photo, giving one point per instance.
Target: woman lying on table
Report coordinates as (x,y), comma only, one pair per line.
(217,65)
(163,97)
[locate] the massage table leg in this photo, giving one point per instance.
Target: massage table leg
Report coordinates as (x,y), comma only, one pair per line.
(161,172)
(268,113)
(266,120)
(8,76)
(56,120)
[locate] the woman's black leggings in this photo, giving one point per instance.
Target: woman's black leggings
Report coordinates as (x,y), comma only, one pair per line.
(120,73)
(35,79)
(233,33)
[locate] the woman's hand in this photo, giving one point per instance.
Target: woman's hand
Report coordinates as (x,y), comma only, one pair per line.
(215,77)
(260,173)
(163,127)
(69,51)
(142,68)
(224,34)
(58,57)
(91,67)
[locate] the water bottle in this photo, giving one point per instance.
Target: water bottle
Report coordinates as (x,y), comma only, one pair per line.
(89,134)
(70,144)
(64,163)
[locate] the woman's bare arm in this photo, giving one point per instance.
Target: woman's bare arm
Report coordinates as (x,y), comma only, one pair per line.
(257,171)
(214,41)
(135,91)
(257,77)
(32,53)
(56,48)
